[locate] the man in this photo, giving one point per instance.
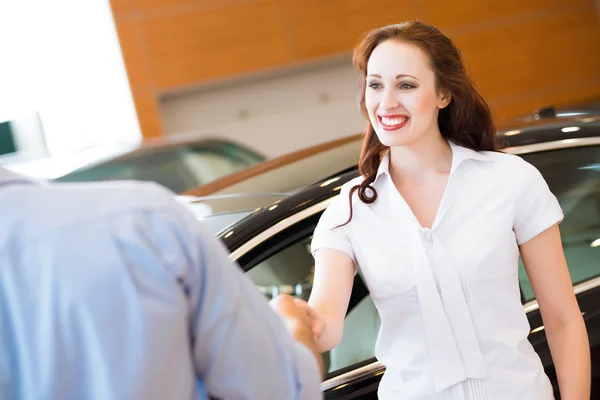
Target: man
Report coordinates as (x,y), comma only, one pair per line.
(115,291)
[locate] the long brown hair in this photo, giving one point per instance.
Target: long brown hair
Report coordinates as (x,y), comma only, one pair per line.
(467,120)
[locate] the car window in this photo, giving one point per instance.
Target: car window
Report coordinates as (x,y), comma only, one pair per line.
(206,165)
(573,175)
(213,160)
(163,167)
(290,271)
(179,168)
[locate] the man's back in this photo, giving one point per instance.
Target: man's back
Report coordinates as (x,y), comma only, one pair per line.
(107,292)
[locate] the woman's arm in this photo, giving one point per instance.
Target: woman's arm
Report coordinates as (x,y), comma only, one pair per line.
(548,274)
(332,287)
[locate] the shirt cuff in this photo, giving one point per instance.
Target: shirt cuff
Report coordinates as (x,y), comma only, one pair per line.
(334,244)
(533,230)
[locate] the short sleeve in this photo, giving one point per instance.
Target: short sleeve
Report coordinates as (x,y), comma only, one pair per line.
(536,208)
(329,234)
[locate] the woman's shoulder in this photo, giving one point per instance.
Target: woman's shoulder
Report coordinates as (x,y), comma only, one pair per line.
(510,163)
(512,172)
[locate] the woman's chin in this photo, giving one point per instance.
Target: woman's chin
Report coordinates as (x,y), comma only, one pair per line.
(392,139)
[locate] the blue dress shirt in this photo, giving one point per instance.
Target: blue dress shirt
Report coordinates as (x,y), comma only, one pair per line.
(114,291)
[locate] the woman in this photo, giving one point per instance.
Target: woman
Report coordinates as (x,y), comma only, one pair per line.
(436,224)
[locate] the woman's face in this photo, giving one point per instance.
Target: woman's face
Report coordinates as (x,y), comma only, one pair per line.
(401,96)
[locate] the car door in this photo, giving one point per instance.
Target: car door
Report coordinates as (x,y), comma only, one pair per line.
(283,264)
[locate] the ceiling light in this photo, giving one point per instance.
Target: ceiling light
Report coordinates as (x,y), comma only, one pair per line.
(595,243)
(570,129)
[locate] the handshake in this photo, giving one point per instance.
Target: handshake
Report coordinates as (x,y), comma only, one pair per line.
(304,323)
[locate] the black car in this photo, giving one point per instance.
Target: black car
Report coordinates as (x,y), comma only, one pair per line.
(272,245)
(588,108)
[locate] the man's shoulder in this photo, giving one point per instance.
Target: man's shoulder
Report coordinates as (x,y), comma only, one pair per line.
(37,209)
(104,198)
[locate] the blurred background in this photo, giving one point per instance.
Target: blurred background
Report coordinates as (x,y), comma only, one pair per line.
(91,80)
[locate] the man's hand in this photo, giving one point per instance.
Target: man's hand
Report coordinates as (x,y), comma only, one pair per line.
(318,323)
(298,323)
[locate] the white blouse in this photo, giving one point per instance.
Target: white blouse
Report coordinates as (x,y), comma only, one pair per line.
(452,323)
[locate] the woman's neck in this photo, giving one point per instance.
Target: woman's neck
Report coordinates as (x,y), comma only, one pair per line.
(419,160)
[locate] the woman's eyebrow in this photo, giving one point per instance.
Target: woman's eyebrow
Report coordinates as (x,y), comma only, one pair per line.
(397,76)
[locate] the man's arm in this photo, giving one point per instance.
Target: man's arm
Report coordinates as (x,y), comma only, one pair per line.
(241,348)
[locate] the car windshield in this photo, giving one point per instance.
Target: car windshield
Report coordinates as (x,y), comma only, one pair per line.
(178,168)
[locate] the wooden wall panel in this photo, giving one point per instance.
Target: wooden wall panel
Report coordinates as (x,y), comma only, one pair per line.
(132,48)
(477,14)
(521,54)
(216,42)
(123,6)
(140,76)
(321,28)
(170,6)
(549,52)
(148,112)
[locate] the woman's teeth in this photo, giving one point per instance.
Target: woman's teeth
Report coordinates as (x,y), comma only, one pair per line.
(393,121)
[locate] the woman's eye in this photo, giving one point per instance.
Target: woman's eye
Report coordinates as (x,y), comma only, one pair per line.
(374,85)
(406,85)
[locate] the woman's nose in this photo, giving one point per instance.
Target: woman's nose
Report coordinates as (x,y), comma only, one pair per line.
(389,100)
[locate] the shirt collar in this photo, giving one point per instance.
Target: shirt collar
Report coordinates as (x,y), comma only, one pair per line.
(459,154)
(384,165)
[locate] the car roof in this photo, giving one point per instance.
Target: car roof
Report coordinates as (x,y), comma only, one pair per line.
(536,133)
(154,145)
(579,109)
(92,156)
(548,130)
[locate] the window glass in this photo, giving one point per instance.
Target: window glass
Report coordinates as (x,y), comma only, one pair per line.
(211,161)
(163,167)
(574,177)
(178,168)
(291,271)
(206,165)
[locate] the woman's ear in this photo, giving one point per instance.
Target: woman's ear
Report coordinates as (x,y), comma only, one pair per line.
(444,99)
